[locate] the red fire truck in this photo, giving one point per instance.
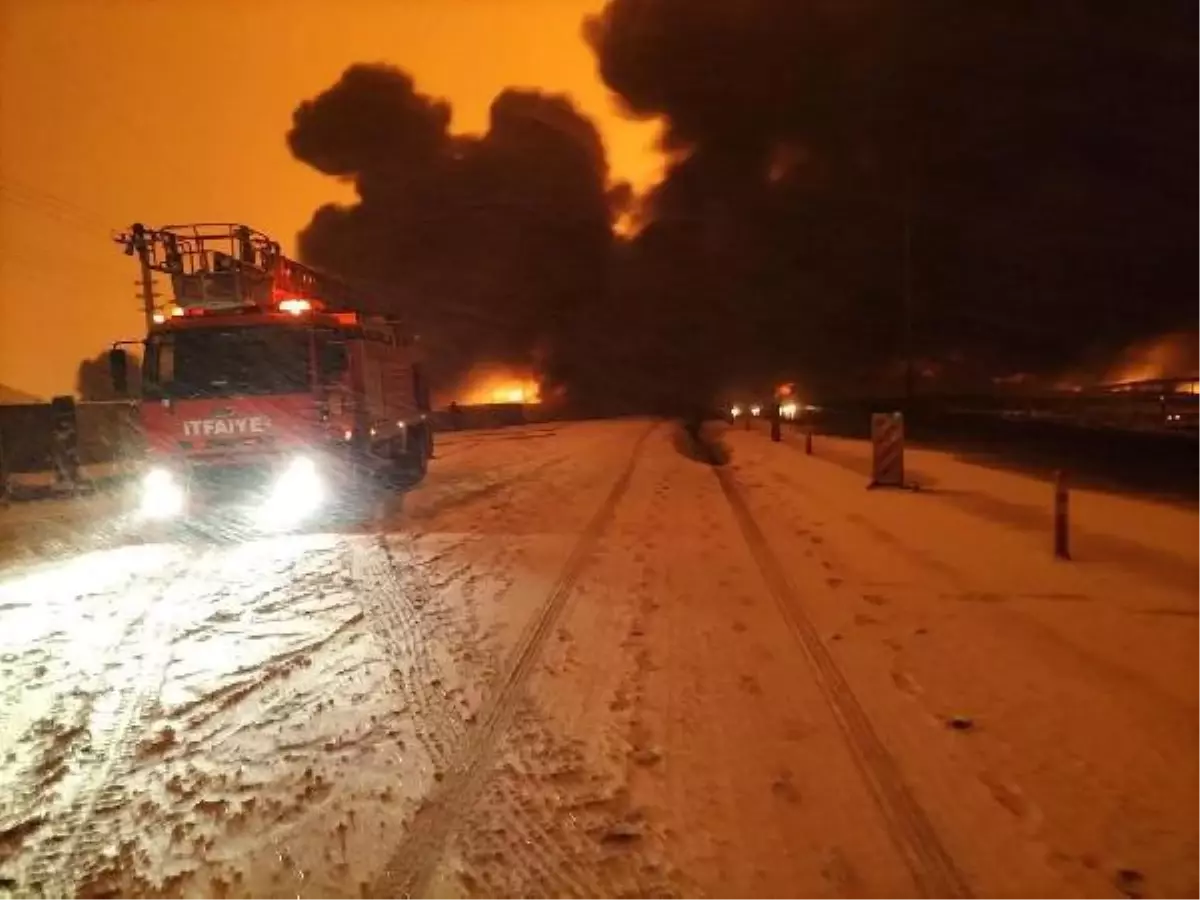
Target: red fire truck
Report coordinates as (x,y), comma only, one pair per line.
(267,387)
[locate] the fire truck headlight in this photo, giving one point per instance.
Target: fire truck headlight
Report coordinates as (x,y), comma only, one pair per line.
(297,493)
(162,495)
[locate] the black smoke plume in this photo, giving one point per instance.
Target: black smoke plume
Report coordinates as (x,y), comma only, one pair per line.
(984,188)
(497,246)
(1038,155)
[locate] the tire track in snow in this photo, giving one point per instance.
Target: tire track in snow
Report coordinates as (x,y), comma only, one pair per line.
(399,611)
(408,871)
(451,500)
(408,612)
(411,620)
(61,865)
(932,868)
(82,854)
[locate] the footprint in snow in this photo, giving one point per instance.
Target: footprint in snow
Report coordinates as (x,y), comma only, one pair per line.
(750,685)
(785,789)
(905,683)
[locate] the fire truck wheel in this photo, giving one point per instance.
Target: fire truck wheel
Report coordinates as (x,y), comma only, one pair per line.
(412,464)
(421,451)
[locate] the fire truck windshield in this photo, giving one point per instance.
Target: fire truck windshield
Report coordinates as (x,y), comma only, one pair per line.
(221,362)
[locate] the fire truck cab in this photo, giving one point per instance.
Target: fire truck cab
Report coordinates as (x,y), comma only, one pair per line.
(267,386)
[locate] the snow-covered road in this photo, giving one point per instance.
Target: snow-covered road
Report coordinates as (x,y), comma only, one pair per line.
(576,661)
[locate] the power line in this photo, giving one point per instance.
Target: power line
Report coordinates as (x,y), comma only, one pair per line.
(51,201)
(93,232)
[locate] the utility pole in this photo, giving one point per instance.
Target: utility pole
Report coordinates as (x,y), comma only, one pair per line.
(906,291)
(134,241)
(908,153)
(143,252)
(147,289)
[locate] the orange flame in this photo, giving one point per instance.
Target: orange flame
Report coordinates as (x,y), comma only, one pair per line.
(1167,356)
(499,384)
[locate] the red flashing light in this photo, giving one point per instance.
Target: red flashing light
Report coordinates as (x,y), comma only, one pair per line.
(195,312)
(295,306)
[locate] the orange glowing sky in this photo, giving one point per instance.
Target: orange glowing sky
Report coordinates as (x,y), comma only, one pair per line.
(140,110)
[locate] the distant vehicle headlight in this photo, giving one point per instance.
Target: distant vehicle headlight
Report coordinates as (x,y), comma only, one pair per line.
(162,495)
(297,493)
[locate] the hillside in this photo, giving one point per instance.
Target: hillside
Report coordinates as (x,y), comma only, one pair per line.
(10,396)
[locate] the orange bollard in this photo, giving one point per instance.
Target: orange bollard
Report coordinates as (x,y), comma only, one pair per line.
(1062,510)
(808,440)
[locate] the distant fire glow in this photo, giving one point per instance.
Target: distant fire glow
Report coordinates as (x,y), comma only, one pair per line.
(1167,356)
(499,384)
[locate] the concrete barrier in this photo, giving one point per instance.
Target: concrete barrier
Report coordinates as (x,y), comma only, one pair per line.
(104,433)
(26,438)
(474,418)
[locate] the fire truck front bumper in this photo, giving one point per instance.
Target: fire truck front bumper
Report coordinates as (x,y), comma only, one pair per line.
(270,496)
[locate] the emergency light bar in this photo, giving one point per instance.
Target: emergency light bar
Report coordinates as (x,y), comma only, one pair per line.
(295,306)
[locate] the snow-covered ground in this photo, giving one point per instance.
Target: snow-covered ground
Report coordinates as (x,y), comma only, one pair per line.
(576,661)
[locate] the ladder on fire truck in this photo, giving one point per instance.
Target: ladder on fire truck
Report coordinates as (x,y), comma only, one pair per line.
(228,266)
